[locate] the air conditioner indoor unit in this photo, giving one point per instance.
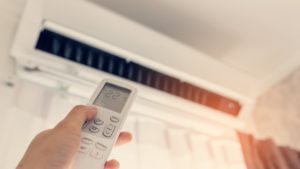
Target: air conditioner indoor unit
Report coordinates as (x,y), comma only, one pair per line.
(74,44)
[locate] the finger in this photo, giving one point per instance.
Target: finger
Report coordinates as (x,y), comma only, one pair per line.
(78,115)
(124,138)
(43,133)
(112,164)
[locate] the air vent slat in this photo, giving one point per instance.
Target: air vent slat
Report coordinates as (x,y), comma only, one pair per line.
(91,59)
(148,78)
(101,62)
(111,65)
(140,74)
(189,91)
(122,67)
(57,45)
(132,71)
(79,55)
(175,87)
(73,50)
(69,51)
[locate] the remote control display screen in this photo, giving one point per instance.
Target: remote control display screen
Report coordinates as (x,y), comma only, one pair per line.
(112,97)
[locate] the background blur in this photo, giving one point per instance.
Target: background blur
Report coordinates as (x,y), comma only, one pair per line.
(253,37)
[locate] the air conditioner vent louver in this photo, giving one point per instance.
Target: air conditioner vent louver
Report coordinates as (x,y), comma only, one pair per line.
(73,50)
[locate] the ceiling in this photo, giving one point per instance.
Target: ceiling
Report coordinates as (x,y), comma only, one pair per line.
(255,36)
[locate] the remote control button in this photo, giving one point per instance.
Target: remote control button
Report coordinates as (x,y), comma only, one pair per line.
(108,130)
(84,148)
(87,140)
(98,121)
(94,129)
(96,154)
(114,119)
(100,146)
(107,133)
(110,127)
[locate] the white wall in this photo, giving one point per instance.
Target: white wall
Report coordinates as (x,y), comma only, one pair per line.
(27,109)
(255,36)
(277,114)
(10,13)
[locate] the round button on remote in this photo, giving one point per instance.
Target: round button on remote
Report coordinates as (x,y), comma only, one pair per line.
(107,133)
(114,119)
(93,129)
(98,121)
(108,130)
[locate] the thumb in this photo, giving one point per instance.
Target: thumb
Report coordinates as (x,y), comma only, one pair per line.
(77,116)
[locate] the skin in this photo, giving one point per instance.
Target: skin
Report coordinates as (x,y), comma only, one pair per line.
(56,148)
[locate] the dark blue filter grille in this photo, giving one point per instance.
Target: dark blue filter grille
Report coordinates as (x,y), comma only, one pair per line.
(70,49)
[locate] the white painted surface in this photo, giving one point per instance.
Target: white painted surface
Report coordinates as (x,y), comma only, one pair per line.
(180,149)
(10,13)
(254,36)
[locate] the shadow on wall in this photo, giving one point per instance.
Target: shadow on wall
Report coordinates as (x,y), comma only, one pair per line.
(277,112)
(265,154)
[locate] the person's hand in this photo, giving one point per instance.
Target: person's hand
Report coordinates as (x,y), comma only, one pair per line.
(56,148)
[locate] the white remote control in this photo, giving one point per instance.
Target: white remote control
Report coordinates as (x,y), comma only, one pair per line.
(98,136)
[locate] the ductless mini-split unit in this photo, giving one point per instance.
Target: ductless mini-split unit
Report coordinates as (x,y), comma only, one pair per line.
(75,44)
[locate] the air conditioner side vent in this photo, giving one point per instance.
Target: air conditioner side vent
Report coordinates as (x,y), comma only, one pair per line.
(73,50)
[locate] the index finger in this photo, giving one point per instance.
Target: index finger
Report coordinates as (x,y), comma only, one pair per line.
(78,115)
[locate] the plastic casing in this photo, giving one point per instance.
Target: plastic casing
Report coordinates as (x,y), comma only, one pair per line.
(84,161)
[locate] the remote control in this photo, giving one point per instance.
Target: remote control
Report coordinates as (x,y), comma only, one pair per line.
(98,136)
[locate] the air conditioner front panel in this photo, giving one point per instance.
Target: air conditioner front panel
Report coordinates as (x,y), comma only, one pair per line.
(134,42)
(146,44)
